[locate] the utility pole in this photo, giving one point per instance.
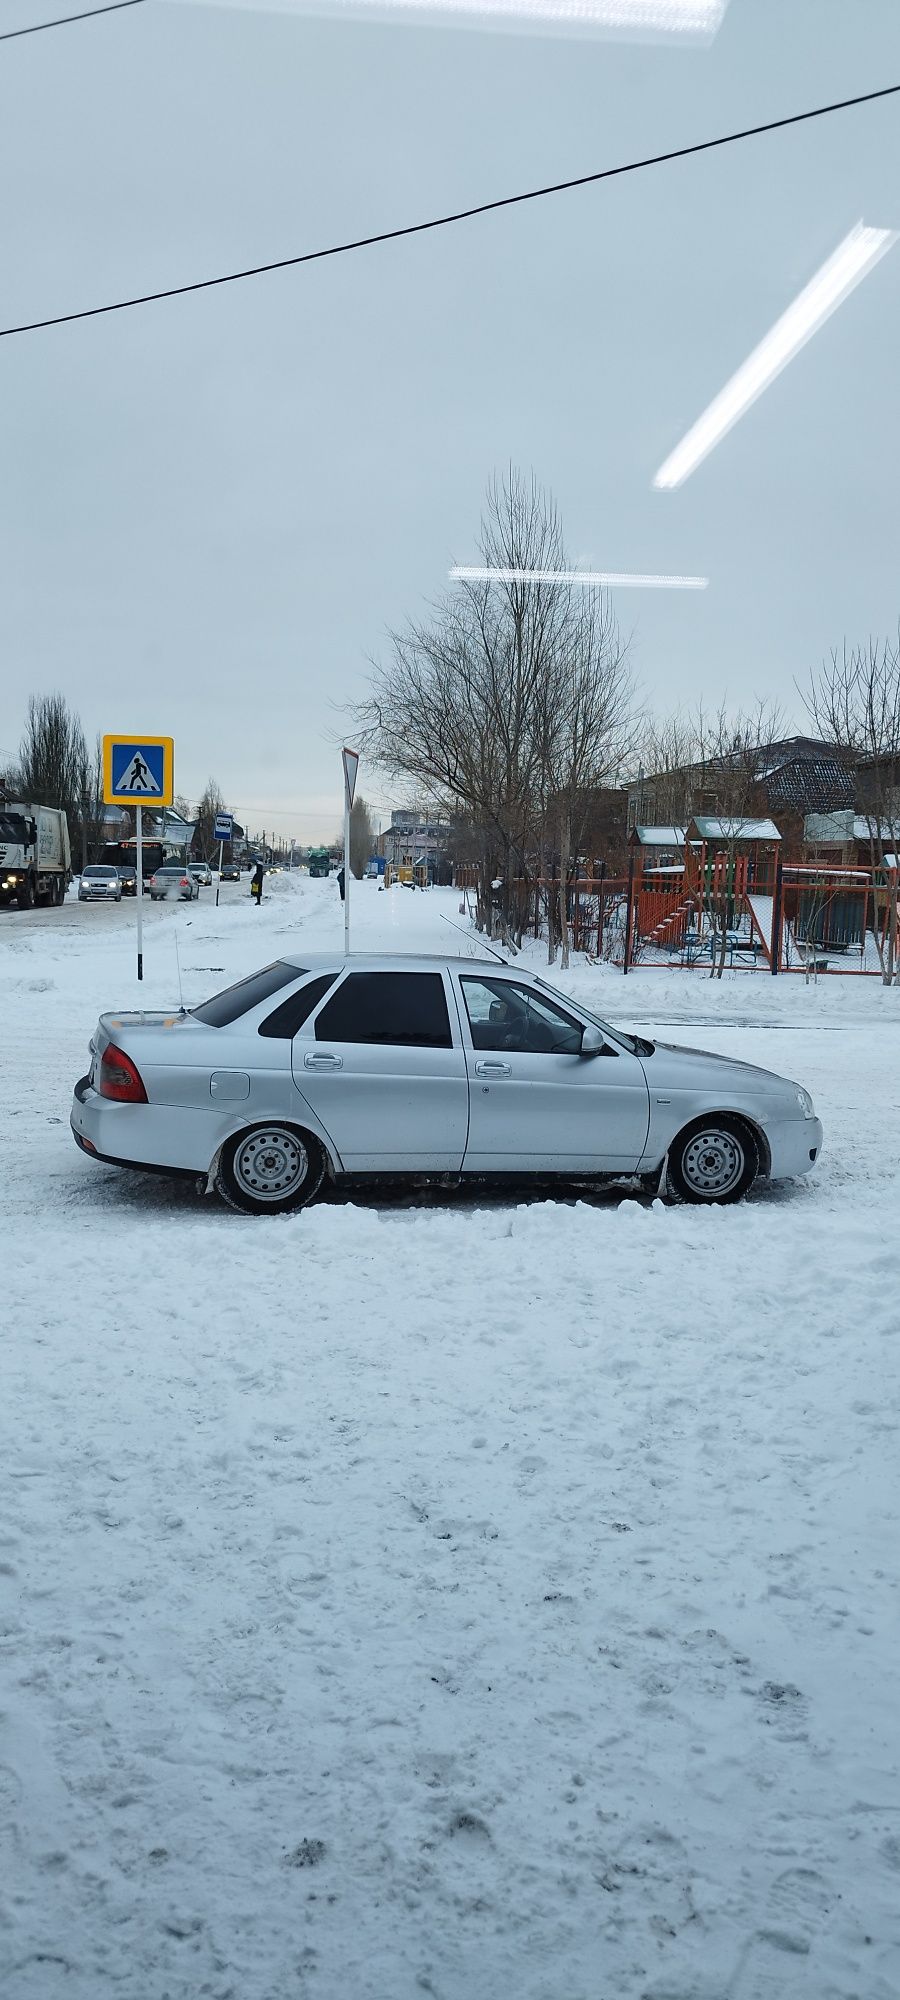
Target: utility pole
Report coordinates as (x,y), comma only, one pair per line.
(351,766)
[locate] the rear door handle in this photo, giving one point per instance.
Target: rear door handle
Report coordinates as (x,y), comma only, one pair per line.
(493,1069)
(320,1060)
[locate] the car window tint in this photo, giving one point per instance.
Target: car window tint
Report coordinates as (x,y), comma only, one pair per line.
(400,1009)
(236,1000)
(288,1019)
(504,1015)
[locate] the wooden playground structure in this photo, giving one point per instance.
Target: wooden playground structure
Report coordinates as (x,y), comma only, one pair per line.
(749,911)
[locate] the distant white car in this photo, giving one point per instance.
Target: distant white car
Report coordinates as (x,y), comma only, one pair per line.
(99,884)
(201,872)
(425,1068)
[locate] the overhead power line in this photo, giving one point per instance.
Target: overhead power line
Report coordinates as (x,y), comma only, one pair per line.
(62,21)
(458,215)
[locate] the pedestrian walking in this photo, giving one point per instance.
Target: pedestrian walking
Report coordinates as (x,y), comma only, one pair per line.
(256,883)
(341,881)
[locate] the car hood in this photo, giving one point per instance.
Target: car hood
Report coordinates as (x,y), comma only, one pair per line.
(695,1069)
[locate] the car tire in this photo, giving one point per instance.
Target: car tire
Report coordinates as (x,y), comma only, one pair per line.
(270,1169)
(714,1161)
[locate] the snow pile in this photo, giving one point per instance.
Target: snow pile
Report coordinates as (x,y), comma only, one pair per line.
(468,1598)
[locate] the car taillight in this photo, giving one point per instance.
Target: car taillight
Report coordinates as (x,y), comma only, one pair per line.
(184,883)
(120,1078)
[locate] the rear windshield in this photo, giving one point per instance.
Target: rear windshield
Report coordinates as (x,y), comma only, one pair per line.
(236,1000)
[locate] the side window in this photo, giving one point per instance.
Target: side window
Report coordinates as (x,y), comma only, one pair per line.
(400,1009)
(503,1015)
(288,1019)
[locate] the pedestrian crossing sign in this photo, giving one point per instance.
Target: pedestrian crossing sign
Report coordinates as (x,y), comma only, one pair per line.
(138,770)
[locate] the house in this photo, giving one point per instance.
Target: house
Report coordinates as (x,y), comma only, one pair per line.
(418,839)
(781,781)
(847,839)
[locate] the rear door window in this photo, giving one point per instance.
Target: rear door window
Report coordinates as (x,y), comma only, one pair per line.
(397,1009)
(288,1019)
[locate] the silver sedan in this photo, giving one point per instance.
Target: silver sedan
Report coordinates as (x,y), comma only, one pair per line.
(429,1069)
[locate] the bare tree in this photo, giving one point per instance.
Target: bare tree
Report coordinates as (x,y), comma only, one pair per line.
(360,838)
(92,809)
(855,702)
(211,804)
(490,706)
(52,753)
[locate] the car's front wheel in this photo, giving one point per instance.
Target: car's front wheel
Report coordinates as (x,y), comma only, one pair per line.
(270,1169)
(715,1160)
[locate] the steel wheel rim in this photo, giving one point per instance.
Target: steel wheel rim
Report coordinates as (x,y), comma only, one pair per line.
(271,1165)
(713,1162)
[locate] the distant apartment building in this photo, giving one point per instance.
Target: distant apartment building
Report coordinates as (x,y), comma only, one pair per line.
(418,838)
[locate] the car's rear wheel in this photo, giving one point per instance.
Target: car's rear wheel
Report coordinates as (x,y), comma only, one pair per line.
(270,1169)
(715,1160)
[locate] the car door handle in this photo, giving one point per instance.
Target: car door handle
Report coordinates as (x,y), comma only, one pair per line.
(318,1059)
(493,1069)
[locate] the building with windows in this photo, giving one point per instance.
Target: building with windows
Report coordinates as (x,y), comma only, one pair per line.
(418,839)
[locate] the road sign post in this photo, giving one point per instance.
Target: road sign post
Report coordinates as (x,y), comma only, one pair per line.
(222,831)
(139,886)
(137,769)
(351,766)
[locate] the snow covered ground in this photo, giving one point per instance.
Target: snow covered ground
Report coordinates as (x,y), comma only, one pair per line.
(474,1598)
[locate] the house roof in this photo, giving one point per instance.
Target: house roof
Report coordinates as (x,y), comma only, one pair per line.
(734,829)
(832,829)
(660,836)
(804,783)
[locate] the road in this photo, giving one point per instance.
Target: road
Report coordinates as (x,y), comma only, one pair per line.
(112,916)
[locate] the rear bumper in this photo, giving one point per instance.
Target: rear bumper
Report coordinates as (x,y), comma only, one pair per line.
(148,1136)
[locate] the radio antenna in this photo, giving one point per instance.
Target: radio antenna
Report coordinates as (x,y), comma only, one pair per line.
(182,1008)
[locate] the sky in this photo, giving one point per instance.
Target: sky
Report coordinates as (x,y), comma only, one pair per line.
(213,510)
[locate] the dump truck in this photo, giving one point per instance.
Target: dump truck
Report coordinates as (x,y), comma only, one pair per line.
(35,857)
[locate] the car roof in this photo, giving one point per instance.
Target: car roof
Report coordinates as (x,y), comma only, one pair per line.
(389,961)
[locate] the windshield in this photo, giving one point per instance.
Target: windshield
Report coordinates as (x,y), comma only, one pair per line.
(12,826)
(100,874)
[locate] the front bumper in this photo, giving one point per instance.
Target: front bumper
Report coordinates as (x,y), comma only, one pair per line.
(794,1146)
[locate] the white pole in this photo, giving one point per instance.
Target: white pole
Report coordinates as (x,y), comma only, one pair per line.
(139,818)
(346,872)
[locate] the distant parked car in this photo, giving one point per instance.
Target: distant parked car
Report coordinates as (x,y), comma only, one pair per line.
(201,872)
(99,884)
(416,1068)
(173,881)
(230,872)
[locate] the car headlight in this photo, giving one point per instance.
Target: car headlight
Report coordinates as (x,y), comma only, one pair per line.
(805,1102)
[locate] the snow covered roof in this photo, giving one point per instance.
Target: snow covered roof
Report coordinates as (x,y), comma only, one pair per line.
(838,828)
(660,836)
(734,829)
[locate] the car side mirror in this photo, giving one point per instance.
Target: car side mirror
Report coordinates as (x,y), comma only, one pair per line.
(592,1043)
